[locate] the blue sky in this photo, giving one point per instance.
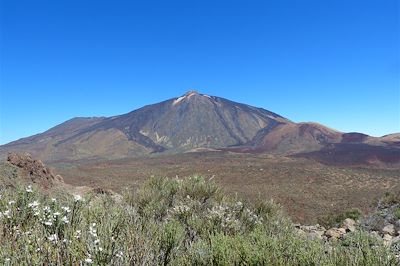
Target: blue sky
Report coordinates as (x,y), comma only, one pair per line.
(336,62)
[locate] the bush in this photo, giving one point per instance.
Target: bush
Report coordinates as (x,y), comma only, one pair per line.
(397,213)
(390,198)
(336,219)
(165,222)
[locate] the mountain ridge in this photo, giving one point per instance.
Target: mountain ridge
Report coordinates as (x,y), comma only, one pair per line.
(191,122)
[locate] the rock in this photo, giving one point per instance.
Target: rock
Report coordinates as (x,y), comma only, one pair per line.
(389,229)
(349,225)
(311,231)
(297,225)
(387,239)
(315,235)
(335,233)
(34,170)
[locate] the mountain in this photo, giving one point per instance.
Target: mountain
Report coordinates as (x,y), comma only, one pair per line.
(325,145)
(180,124)
(199,122)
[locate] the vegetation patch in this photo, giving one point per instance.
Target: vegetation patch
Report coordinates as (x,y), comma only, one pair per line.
(165,222)
(335,219)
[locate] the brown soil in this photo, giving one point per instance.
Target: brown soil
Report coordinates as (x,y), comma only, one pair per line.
(307,190)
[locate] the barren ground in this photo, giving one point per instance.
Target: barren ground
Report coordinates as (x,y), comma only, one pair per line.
(306,189)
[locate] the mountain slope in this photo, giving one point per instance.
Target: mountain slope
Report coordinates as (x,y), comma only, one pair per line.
(191,121)
(328,146)
(294,138)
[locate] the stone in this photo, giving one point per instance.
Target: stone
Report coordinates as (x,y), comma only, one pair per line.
(335,233)
(387,239)
(34,169)
(349,224)
(389,229)
(315,235)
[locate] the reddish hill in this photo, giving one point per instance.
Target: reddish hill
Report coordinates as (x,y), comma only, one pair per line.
(294,138)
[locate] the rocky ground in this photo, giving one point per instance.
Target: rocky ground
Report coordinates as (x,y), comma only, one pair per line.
(382,224)
(23,169)
(34,170)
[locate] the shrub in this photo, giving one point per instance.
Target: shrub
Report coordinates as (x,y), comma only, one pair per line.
(335,219)
(397,213)
(165,222)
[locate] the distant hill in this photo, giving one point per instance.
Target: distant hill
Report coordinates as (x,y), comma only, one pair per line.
(185,123)
(197,122)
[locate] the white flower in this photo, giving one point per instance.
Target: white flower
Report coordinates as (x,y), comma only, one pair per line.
(46,208)
(29,189)
(78,234)
(7,213)
(48,223)
(53,200)
(53,238)
(11,202)
(92,230)
(97,241)
(65,220)
(56,214)
(33,205)
(88,260)
(66,209)
(77,198)
(7,259)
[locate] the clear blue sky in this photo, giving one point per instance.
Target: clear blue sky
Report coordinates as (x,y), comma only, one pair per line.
(336,62)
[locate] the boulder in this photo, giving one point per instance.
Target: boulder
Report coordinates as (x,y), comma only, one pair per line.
(335,233)
(387,239)
(389,229)
(34,170)
(349,224)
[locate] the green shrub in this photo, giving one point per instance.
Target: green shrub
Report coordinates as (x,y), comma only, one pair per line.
(397,213)
(390,198)
(165,222)
(335,219)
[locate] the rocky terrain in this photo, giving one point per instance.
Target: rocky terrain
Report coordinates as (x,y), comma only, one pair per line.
(23,168)
(198,122)
(382,224)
